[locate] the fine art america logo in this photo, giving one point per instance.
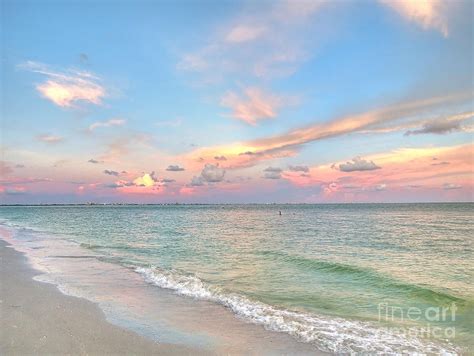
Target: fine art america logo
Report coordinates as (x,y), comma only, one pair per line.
(431,318)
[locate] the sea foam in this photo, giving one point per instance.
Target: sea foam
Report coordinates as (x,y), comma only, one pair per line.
(331,334)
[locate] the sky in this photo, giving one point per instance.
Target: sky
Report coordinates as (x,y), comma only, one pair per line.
(236,101)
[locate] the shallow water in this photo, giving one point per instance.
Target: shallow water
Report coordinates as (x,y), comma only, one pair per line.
(339,277)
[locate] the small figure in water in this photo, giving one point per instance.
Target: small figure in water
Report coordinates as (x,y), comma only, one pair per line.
(279,212)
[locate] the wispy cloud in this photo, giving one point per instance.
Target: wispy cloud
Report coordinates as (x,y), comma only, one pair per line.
(286,144)
(244,33)
(252,105)
(442,125)
(267,43)
(429,14)
(67,87)
(14,191)
(50,138)
(451,186)
(108,123)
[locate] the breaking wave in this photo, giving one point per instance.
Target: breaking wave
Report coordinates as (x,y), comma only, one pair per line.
(329,334)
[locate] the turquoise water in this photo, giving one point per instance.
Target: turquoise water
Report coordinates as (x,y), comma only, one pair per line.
(317,272)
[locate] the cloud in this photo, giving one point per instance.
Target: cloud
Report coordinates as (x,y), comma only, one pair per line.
(174,168)
(15,181)
(147,180)
(272,173)
(196,181)
(299,168)
(447,121)
(380,187)
(358,164)
(15,191)
(212,173)
(126,144)
(109,123)
(50,138)
(357,122)
(168,180)
(111,173)
(429,14)
(246,154)
(119,184)
(253,105)
(220,158)
(93,161)
(5,169)
(443,163)
(67,87)
(272,41)
(436,127)
(451,186)
(244,33)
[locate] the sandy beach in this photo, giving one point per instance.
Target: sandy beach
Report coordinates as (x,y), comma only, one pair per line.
(39,319)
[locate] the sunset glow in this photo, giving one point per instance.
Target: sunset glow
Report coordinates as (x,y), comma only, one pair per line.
(250,102)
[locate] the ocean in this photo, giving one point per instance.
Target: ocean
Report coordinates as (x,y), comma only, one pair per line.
(342,278)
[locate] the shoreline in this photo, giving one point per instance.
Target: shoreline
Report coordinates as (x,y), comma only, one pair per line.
(38,319)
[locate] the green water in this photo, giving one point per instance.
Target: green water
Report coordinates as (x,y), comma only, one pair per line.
(367,262)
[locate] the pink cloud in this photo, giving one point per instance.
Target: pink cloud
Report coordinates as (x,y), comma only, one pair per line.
(253,105)
(429,14)
(244,33)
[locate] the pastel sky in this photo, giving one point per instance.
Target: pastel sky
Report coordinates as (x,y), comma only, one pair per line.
(236,101)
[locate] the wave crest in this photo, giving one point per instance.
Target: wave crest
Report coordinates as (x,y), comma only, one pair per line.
(328,334)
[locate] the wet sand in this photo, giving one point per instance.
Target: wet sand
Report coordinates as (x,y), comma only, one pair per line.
(36,318)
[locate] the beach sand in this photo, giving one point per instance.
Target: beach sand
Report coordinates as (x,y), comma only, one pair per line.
(36,318)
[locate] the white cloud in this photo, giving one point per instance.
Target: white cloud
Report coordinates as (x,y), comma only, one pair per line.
(67,87)
(109,123)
